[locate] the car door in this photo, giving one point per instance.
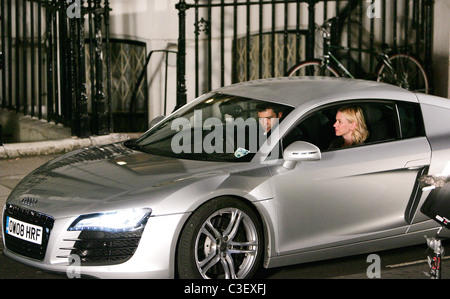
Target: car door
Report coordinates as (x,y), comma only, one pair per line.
(351,194)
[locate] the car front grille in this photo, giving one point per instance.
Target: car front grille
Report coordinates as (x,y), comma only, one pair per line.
(97,248)
(22,247)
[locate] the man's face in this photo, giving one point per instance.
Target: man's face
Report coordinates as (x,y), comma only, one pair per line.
(268,119)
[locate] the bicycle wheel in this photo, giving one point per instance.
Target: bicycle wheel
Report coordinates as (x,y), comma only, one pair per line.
(406,71)
(313,68)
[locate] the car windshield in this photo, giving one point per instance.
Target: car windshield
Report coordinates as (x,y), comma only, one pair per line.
(216,127)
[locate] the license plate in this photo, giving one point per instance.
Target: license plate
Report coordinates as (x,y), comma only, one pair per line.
(25,231)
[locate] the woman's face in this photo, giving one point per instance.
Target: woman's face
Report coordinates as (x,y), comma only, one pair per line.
(342,126)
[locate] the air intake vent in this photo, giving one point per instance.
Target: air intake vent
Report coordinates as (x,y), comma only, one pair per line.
(97,248)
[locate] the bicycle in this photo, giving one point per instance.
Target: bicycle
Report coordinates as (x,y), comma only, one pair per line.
(397,68)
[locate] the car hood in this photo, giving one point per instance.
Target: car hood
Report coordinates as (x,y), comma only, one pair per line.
(114,177)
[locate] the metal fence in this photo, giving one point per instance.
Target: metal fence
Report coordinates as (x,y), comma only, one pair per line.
(57,60)
(44,51)
(239,40)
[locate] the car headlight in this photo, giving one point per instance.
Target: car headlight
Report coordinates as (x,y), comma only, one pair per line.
(117,221)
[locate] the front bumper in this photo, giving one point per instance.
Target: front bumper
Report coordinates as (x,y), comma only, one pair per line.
(154,256)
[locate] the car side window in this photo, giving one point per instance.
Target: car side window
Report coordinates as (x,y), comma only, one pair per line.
(317,128)
(381,119)
(411,120)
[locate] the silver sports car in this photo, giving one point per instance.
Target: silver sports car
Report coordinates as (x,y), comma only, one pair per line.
(258,174)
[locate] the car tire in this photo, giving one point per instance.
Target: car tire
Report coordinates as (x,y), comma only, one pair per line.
(222,239)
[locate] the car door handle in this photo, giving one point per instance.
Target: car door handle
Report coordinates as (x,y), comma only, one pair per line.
(415,167)
(417,164)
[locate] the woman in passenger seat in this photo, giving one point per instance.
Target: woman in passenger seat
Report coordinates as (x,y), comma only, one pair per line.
(350,127)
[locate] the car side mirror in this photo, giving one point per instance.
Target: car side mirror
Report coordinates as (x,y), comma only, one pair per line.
(300,151)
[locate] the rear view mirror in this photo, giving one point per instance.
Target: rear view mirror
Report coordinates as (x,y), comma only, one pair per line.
(300,151)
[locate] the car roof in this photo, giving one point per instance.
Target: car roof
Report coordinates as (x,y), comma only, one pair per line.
(295,91)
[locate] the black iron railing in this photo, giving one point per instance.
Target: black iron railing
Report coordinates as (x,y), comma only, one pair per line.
(142,77)
(46,71)
(44,48)
(267,37)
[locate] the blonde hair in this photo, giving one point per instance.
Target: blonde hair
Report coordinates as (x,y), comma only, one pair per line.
(355,114)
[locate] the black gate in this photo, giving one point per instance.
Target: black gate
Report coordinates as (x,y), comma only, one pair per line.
(50,71)
(240,40)
(45,45)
